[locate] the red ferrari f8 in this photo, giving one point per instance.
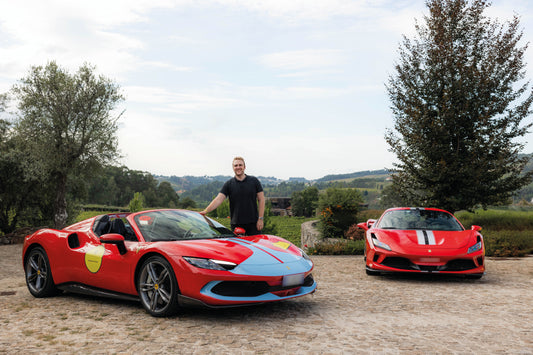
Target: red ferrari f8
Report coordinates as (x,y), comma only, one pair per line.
(422,240)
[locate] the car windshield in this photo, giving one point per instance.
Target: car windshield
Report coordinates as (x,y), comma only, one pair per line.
(419,219)
(169,225)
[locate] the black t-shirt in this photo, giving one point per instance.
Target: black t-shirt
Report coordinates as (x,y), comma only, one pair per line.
(242,199)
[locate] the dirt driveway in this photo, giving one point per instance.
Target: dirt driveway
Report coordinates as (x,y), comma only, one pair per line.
(350,313)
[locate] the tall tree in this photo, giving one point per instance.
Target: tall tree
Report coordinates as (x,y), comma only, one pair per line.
(305,202)
(460,101)
(66,126)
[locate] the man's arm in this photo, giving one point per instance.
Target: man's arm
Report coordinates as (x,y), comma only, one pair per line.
(214,204)
(261,203)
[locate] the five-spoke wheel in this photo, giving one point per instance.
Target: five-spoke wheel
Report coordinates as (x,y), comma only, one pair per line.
(38,274)
(158,288)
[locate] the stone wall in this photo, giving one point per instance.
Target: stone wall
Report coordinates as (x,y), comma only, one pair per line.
(310,234)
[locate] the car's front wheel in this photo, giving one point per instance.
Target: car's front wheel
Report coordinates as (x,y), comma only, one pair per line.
(38,274)
(158,288)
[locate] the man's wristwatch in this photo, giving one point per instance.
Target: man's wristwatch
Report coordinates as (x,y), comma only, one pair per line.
(261,218)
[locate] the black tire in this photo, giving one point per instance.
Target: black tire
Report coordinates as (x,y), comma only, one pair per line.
(39,274)
(157,287)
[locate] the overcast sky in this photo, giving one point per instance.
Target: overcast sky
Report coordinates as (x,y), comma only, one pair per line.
(297,87)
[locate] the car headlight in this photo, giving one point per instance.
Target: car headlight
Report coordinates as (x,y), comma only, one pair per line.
(381,245)
(474,248)
(304,255)
(210,264)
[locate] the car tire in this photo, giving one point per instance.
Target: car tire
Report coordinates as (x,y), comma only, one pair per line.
(158,287)
(39,274)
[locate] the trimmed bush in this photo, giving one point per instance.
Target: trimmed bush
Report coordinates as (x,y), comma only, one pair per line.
(510,243)
(340,247)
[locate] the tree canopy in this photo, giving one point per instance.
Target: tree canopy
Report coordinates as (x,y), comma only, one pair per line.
(460,102)
(65,126)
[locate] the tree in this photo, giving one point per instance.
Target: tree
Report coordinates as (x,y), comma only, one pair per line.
(65,126)
(168,196)
(304,202)
(459,103)
(21,200)
(137,202)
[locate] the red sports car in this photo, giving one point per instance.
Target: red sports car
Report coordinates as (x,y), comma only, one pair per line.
(165,259)
(423,240)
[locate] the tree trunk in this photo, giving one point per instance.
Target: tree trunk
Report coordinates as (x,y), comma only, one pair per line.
(60,206)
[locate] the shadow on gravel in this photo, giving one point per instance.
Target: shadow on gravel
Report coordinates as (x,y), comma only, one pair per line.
(270,310)
(431,277)
(292,309)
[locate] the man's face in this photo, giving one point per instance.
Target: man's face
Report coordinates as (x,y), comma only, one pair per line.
(238,167)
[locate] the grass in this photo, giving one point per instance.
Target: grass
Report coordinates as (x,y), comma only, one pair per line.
(289,228)
(496,220)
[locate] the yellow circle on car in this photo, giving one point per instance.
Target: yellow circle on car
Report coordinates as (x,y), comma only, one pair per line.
(282,245)
(93,258)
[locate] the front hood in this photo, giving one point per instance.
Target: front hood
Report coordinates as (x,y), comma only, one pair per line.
(259,254)
(424,239)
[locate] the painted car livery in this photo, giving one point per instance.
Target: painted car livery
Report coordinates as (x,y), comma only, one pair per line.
(166,268)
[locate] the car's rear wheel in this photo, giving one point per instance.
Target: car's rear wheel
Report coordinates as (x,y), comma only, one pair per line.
(158,288)
(38,274)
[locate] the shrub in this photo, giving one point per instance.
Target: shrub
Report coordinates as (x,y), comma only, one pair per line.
(497,219)
(508,243)
(338,211)
(137,202)
(340,247)
(354,233)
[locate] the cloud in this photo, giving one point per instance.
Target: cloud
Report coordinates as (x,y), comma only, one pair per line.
(303,59)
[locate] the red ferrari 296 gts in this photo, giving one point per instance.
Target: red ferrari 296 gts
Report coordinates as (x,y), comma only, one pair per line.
(165,259)
(422,240)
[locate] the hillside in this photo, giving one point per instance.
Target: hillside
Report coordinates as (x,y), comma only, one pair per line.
(188,183)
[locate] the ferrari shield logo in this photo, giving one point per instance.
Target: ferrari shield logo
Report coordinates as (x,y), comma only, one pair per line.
(93,258)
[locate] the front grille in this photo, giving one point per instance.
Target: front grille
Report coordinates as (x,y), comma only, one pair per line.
(253,288)
(241,288)
(460,265)
(399,263)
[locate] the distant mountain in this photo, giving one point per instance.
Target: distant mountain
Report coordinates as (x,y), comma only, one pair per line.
(188,183)
(360,174)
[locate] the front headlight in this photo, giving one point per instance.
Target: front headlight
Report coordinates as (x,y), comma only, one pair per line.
(474,248)
(381,245)
(210,264)
(304,255)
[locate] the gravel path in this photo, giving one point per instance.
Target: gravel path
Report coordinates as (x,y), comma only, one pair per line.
(350,313)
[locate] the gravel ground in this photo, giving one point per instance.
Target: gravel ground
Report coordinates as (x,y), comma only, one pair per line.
(350,313)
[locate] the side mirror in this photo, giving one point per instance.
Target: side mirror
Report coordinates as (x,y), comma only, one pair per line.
(117,239)
(239,231)
(363,226)
(370,223)
(476,228)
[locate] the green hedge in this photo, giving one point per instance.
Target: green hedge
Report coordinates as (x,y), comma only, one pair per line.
(508,242)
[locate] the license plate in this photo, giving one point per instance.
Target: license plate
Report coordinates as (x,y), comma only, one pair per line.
(293,280)
(429,260)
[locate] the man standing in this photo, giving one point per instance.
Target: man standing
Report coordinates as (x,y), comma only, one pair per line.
(245,193)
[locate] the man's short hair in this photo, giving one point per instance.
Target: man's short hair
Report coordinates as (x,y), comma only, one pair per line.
(239,158)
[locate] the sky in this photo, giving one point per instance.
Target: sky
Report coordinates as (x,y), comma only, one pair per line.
(296,87)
